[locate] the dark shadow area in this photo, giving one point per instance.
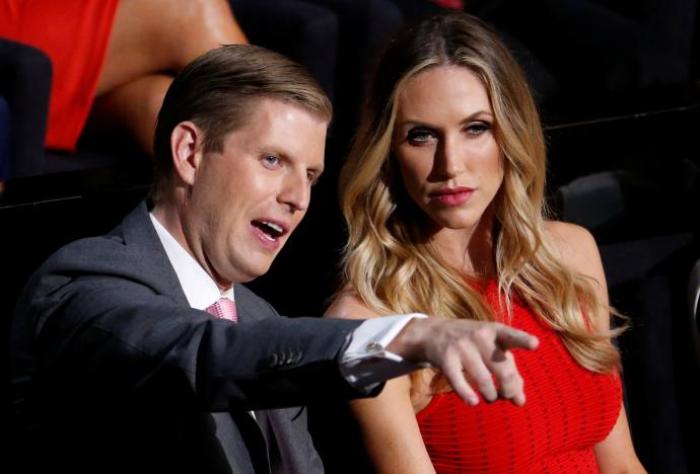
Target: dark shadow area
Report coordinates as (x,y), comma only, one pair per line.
(34,228)
(660,370)
(634,181)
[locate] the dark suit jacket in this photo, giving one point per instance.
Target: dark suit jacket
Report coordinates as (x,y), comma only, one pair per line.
(113,371)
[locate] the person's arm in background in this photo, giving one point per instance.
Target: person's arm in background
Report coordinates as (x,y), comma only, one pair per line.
(149,41)
(579,252)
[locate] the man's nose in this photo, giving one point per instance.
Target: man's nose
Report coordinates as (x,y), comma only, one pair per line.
(296,192)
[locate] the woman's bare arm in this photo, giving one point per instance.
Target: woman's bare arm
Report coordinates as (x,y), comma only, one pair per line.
(578,250)
(387,422)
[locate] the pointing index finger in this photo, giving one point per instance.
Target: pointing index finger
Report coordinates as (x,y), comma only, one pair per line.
(511,338)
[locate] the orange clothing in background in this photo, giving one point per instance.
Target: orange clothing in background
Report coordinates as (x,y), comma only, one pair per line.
(74,34)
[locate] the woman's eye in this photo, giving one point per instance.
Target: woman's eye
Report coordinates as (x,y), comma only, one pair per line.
(271,161)
(478,128)
(419,136)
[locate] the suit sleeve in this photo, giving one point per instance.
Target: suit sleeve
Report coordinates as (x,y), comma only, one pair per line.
(106,336)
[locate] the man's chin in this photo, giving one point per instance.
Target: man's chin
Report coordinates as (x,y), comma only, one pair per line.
(252,272)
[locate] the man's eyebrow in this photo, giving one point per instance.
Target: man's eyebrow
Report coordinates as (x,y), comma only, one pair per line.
(317,171)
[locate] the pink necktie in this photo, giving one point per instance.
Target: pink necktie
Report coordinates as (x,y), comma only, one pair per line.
(224,308)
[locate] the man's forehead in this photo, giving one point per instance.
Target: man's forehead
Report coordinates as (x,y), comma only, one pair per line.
(268,118)
(258,105)
(282,127)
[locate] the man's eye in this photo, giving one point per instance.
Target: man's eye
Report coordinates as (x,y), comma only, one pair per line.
(419,136)
(314,177)
(271,161)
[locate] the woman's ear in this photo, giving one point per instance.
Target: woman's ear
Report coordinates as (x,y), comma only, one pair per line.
(186,145)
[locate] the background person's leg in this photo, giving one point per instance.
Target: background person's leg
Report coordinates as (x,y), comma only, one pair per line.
(150,41)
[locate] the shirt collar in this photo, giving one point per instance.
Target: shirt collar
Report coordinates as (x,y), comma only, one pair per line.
(199,287)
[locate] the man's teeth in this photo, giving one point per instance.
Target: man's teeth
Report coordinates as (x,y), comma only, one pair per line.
(277,228)
(270,230)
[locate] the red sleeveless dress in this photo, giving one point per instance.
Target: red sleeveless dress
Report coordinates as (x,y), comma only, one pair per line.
(568,410)
(74,34)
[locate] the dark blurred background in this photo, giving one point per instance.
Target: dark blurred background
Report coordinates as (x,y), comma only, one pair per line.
(618,85)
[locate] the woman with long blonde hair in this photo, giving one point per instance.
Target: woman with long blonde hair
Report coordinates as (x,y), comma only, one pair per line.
(443,196)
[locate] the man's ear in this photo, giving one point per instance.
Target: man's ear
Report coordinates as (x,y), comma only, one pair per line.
(186,144)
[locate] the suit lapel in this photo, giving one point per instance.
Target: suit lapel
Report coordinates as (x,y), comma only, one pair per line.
(248,306)
(289,444)
(142,240)
(254,439)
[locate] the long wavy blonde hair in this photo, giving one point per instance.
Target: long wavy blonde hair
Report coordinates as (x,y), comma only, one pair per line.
(388,261)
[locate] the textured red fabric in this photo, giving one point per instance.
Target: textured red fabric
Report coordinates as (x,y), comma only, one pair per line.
(568,410)
(74,34)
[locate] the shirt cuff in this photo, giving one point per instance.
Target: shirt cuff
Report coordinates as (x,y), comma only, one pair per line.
(366,362)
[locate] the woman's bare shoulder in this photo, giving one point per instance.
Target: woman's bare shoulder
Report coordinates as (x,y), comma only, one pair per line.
(575,245)
(347,304)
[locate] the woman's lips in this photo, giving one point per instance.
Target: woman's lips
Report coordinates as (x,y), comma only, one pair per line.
(452,196)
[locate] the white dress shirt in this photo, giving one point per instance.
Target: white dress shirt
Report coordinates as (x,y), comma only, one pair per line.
(364,362)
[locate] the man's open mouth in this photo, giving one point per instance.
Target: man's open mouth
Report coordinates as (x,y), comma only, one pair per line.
(271,230)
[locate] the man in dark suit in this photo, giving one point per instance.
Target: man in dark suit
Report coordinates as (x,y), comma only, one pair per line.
(139,351)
